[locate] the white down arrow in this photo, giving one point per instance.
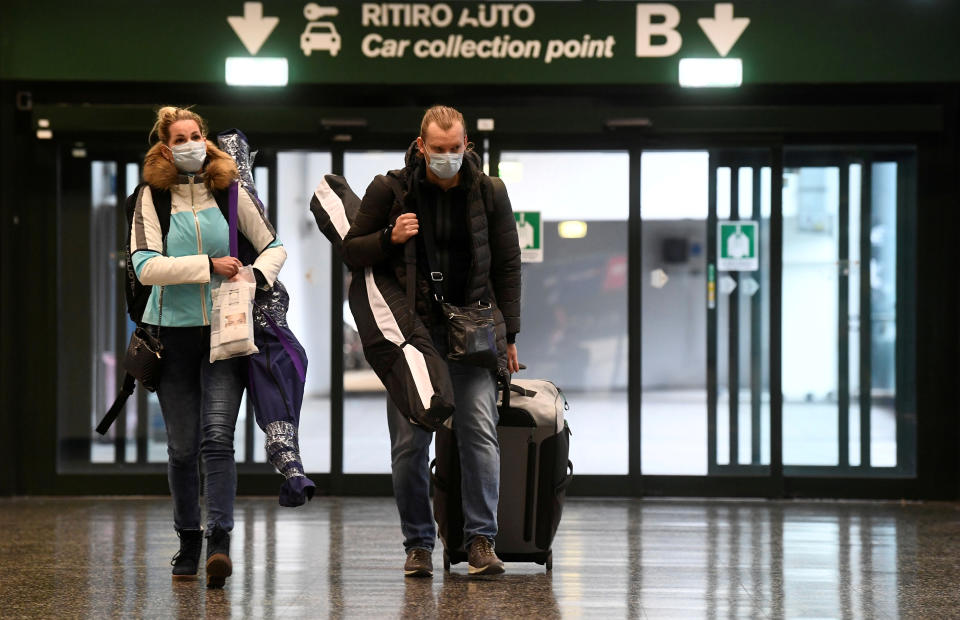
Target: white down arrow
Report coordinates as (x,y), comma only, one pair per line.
(723,29)
(727,285)
(253,28)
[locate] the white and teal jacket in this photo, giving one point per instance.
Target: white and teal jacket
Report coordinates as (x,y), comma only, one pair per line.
(179,265)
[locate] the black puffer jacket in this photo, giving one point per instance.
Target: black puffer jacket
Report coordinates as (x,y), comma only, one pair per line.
(495,266)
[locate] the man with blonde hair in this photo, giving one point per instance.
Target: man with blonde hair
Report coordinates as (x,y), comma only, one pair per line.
(469,249)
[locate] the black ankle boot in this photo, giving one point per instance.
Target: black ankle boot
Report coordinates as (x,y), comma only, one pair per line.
(219,566)
(186,561)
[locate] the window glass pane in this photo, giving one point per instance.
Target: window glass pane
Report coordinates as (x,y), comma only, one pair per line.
(674,206)
(723,193)
(132,175)
(306,275)
(810,315)
(574,316)
(853,300)
(883,315)
(104,298)
(366,438)
(676,187)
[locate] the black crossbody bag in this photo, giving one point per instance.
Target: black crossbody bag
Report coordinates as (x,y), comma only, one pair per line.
(471,330)
(144,359)
(143,363)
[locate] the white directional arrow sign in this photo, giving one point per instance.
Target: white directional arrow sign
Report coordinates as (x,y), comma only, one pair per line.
(727,285)
(253,28)
(658,278)
(749,286)
(723,29)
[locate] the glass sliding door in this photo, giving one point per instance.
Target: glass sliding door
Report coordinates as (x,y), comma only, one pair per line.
(705,335)
(366,438)
(842,265)
(574,301)
(738,332)
(673,208)
(307,277)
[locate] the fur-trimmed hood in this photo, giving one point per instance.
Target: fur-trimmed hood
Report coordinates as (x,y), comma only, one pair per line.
(219,171)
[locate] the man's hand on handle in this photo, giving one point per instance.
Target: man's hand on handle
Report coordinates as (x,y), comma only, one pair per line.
(405,227)
(513,363)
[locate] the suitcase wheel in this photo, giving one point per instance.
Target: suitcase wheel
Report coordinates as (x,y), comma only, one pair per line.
(446,562)
(549,562)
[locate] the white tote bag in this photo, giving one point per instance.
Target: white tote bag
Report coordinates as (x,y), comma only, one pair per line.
(231,324)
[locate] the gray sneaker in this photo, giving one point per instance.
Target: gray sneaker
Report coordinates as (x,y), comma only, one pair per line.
(482,559)
(419,563)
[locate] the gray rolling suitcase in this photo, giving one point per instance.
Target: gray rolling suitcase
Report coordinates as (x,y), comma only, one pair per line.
(535,471)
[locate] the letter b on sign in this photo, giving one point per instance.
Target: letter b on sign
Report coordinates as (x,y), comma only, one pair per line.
(656,39)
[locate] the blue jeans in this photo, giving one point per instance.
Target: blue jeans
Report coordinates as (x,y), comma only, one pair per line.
(475,421)
(200,402)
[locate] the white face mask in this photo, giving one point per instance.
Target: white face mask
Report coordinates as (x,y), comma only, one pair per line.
(189,156)
(446,165)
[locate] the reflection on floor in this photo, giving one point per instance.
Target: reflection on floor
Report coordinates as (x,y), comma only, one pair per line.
(108,557)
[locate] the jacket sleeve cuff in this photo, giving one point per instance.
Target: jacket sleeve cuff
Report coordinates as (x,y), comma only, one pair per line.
(512,338)
(386,244)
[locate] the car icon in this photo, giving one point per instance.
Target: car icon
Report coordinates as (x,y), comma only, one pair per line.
(322,36)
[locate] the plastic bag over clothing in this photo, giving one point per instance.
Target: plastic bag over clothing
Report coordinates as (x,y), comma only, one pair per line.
(276,375)
(396,344)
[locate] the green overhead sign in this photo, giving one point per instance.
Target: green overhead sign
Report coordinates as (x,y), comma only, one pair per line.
(587,42)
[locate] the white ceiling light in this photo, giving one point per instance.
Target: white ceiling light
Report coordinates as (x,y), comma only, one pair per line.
(711,72)
(572,229)
(510,171)
(242,71)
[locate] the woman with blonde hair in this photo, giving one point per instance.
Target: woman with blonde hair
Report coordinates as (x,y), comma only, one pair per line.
(179,245)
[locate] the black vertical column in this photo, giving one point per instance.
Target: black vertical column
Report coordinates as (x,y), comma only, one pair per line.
(634,323)
(120,425)
(776,325)
(336,354)
(906,350)
(843,320)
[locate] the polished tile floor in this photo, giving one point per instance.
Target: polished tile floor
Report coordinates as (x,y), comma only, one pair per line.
(341,558)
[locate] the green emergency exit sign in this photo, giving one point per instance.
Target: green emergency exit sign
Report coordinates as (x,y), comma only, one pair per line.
(737,246)
(530,232)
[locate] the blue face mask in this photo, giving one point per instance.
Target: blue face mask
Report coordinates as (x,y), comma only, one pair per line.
(446,165)
(189,157)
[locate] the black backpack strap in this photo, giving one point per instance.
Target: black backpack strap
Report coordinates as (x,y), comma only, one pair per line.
(162,201)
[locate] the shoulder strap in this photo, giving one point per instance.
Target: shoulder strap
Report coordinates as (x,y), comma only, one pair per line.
(234,196)
(161,204)
(429,244)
